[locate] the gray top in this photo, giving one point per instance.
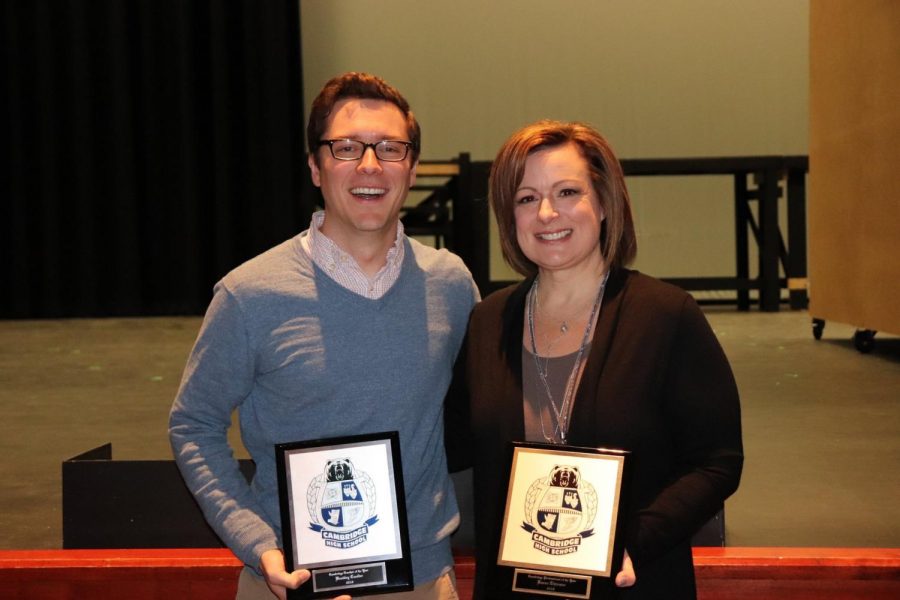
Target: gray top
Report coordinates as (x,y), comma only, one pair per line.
(536,403)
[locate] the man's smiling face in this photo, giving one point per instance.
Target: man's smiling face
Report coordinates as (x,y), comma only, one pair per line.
(362,197)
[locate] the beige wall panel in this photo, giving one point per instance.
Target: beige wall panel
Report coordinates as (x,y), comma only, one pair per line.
(854,196)
(660,78)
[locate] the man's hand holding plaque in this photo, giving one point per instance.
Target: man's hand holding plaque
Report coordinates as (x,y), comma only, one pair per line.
(343,517)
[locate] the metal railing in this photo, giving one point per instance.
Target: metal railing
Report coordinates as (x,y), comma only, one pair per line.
(455,212)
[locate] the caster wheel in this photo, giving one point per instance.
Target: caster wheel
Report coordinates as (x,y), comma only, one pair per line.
(864,340)
(818,325)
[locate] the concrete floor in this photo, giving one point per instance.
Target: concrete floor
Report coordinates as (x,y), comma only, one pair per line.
(821,421)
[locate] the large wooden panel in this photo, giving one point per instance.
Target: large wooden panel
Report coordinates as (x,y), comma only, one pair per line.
(854,202)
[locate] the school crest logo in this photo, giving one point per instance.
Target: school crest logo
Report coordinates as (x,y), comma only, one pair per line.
(341,503)
(560,511)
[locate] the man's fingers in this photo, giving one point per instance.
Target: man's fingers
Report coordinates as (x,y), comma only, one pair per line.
(297,578)
(289,580)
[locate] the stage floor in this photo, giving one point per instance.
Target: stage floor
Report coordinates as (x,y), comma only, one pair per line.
(821,421)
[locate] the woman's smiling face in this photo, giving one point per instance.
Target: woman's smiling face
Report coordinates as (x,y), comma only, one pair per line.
(558,214)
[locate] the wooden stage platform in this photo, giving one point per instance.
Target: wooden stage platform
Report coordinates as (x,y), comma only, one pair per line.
(211,574)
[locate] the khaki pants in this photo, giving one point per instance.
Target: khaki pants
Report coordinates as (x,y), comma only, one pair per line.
(252,587)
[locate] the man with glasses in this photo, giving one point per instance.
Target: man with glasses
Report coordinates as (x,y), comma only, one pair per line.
(348,328)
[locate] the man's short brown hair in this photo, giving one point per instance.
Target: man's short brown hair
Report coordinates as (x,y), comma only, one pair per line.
(364,86)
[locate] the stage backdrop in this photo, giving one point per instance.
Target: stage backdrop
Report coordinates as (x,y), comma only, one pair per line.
(150,147)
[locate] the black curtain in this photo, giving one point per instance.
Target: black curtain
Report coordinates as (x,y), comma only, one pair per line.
(151,146)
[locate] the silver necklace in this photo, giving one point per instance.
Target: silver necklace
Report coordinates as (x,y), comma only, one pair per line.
(561,412)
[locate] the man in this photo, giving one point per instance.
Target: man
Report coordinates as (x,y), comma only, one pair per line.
(348,328)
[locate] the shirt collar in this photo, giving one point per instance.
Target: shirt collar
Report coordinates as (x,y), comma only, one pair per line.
(342,267)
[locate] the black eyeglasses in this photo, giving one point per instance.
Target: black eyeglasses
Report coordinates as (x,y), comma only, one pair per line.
(386,150)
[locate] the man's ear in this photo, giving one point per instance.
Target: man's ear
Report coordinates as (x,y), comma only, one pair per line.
(314,170)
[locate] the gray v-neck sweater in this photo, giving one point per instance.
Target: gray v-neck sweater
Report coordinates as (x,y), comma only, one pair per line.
(301,357)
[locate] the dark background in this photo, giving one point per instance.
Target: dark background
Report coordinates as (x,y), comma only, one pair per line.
(150,146)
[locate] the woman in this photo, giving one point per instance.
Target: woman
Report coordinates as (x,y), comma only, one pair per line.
(588,353)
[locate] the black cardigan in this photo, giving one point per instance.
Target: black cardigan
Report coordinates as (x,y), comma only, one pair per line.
(656,383)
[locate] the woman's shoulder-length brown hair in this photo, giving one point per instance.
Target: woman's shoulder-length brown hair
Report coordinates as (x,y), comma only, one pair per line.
(617,238)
